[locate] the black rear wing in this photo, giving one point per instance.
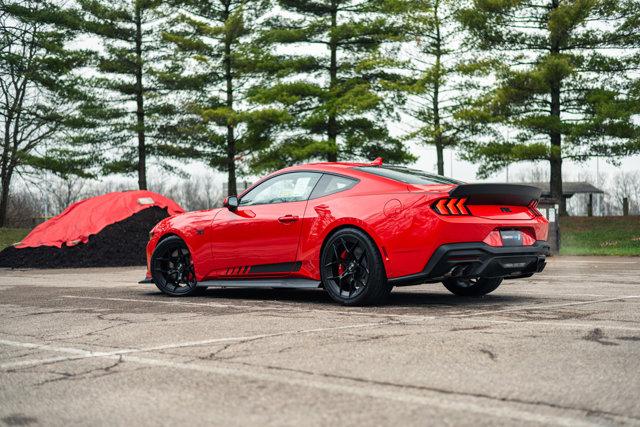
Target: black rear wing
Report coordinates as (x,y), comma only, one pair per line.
(497,194)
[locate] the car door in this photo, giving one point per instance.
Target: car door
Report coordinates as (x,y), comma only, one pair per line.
(260,237)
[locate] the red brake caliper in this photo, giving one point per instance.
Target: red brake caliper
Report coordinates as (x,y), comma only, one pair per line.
(343,256)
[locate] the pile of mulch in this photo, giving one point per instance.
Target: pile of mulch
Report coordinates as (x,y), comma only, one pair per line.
(117,245)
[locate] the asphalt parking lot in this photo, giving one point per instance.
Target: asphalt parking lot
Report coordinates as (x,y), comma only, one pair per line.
(94,347)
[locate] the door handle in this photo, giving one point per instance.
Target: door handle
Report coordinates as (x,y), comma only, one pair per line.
(288,219)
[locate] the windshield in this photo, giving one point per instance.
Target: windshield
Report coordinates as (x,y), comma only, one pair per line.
(408,176)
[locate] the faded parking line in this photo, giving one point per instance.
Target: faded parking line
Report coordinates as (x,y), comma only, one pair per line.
(543,306)
(86,354)
(471,317)
(252,307)
(566,261)
(384,392)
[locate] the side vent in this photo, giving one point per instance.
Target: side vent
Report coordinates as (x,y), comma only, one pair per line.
(234,271)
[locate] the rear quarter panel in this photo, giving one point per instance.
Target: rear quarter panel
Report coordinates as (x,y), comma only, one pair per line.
(404,227)
(390,219)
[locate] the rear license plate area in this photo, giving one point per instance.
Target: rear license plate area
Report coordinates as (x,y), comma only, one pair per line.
(511,238)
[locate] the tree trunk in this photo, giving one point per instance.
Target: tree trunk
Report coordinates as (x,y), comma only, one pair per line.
(10,149)
(5,180)
(555,158)
(4,200)
(332,123)
(436,94)
(140,125)
(440,154)
(7,175)
(231,140)
(438,140)
(556,173)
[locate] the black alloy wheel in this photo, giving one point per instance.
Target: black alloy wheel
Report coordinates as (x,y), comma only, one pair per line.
(351,269)
(172,267)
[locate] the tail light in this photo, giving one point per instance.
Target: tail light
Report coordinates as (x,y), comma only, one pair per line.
(533,207)
(451,206)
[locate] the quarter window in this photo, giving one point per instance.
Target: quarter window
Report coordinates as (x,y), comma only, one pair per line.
(330,184)
(285,188)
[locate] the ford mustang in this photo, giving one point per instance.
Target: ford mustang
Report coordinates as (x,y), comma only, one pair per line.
(356,230)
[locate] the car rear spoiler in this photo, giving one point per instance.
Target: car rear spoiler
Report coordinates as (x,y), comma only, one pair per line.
(497,194)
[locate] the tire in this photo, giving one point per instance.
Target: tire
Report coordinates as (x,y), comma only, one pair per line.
(172,268)
(351,269)
(472,287)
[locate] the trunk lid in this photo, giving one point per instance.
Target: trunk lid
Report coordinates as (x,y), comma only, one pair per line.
(491,201)
(499,201)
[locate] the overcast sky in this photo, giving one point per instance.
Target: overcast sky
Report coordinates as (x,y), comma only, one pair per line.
(572,171)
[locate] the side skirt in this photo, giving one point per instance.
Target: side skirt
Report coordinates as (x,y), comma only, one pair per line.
(262,283)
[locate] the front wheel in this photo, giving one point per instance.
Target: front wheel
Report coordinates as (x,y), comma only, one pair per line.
(471,287)
(172,268)
(351,269)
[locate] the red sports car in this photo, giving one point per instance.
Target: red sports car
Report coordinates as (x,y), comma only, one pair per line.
(356,230)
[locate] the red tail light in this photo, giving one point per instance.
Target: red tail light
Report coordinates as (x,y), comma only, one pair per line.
(533,207)
(451,206)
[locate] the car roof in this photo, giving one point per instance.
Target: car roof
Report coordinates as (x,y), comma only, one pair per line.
(340,168)
(352,169)
(328,166)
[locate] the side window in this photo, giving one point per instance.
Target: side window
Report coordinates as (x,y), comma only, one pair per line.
(330,184)
(288,187)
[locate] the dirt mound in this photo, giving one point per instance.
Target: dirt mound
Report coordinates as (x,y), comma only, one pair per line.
(120,244)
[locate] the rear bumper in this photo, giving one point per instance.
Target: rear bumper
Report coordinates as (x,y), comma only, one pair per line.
(479,260)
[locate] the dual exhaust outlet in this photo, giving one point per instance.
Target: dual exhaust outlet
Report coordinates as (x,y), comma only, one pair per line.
(459,270)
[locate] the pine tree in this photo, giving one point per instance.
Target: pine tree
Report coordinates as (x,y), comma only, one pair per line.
(127,112)
(215,64)
(38,93)
(337,81)
(444,77)
(562,82)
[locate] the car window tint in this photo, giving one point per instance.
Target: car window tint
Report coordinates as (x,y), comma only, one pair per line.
(406,175)
(288,187)
(330,184)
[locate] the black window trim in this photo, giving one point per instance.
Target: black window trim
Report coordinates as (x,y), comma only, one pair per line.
(395,167)
(262,181)
(321,172)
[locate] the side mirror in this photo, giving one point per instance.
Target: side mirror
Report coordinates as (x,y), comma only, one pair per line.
(231,203)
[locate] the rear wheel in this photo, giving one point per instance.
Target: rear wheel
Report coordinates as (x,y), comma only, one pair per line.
(172,268)
(471,287)
(351,269)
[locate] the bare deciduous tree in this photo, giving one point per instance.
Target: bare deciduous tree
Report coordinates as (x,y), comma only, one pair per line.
(35,91)
(194,192)
(627,185)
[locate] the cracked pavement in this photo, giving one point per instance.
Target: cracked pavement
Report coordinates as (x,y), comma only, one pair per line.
(91,346)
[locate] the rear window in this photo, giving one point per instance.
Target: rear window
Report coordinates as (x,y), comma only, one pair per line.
(406,175)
